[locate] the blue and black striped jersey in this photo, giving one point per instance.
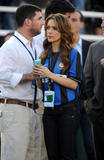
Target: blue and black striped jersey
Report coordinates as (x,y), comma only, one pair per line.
(65,95)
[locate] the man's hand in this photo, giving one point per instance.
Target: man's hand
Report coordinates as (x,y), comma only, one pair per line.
(28,77)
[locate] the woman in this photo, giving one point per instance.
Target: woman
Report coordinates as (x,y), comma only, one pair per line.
(62,71)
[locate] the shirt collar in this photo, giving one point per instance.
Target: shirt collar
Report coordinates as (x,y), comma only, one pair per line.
(79,42)
(43,30)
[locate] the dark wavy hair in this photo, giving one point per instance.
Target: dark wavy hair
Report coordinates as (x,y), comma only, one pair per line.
(67,39)
(59,6)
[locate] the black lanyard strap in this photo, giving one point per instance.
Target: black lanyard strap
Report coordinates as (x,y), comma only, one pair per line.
(26,48)
(35,91)
(53,60)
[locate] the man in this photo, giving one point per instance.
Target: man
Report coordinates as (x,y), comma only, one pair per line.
(59,6)
(82,45)
(94,75)
(19,123)
(77,23)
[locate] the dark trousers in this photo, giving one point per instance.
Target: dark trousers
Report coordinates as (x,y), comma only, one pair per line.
(87,135)
(98,128)
(60,130)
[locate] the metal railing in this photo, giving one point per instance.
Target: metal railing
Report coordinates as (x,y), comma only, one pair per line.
(92,37)
(7,9)
(85,13)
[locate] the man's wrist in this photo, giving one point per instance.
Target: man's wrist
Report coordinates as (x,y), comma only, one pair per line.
(26,77)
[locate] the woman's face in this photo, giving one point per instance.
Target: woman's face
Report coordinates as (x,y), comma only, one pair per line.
(53,35)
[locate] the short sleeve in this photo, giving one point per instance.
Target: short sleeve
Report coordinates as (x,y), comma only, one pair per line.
(75,69)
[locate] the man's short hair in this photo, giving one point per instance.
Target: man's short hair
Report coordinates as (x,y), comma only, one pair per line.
(25,11)
(81,15)
(59,6)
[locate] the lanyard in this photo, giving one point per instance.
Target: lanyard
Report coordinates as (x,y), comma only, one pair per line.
(35,91)
(51,65)
(52,61)
(27,49)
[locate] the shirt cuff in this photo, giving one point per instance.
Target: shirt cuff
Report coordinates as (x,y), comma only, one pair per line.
(16,78)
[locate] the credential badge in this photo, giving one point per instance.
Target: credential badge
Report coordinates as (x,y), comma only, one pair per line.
(61,65)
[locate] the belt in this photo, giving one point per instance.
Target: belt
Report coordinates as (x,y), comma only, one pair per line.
(15,101)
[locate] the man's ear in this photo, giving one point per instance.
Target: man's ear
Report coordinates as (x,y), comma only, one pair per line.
(27,21)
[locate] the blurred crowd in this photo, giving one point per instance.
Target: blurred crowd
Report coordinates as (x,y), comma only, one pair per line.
(91,25)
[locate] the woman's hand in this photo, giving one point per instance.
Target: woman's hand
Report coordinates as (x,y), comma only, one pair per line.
(42,71)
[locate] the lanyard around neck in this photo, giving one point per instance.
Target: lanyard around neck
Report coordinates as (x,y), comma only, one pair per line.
(27,49)
(52,61)
(51,65)
(35,91)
